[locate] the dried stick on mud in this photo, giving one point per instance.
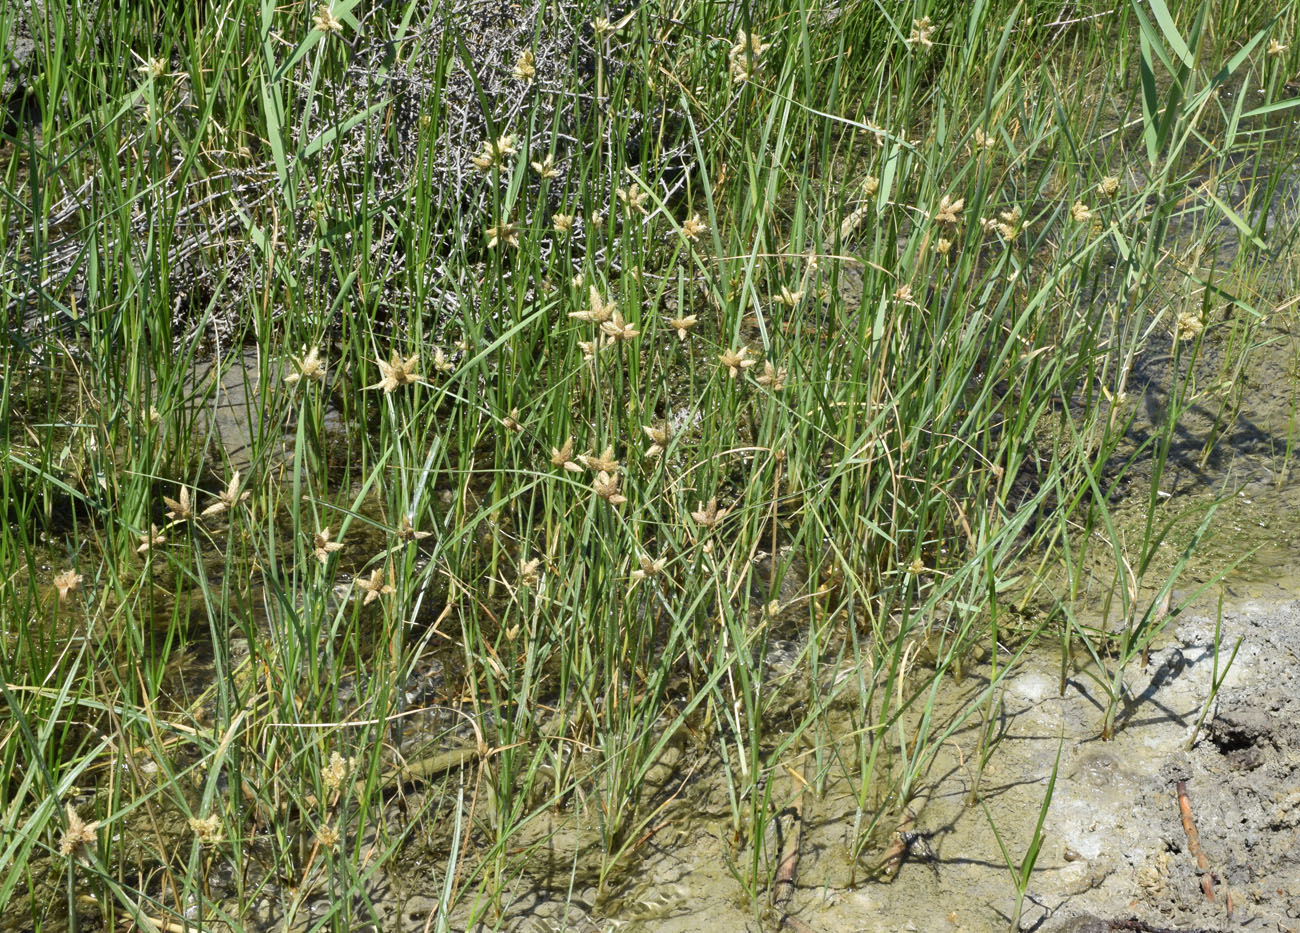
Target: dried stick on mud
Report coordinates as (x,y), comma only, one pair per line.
(796,926)
(788,867)
(1138,926)
(1194,841)
(417,771)
(897,850)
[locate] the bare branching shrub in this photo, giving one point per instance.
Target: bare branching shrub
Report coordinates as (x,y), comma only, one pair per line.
(394,132)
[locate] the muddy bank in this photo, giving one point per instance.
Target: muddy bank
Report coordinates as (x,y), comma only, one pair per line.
(1116,848)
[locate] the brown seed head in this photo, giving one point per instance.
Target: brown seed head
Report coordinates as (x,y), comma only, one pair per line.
(773,377)
(310,368)
(326,21)
(66,583)
(181,509)
(376,585)
(948,210)
(322,546)
(397,372)
(734,361)
(227,498)
(709,515)
(79,833)
(682,325)
(660,437)
(605,485)
(692,227)
(562,457)
(605,463)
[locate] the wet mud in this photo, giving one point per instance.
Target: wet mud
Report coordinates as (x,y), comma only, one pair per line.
(1115,851)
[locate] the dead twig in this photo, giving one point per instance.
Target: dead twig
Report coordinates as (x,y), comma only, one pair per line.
(898,849)
(796,926)
(788,867)
(1137,926)
(1194,841)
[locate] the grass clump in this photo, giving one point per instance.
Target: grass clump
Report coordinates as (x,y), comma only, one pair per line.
(584,363)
